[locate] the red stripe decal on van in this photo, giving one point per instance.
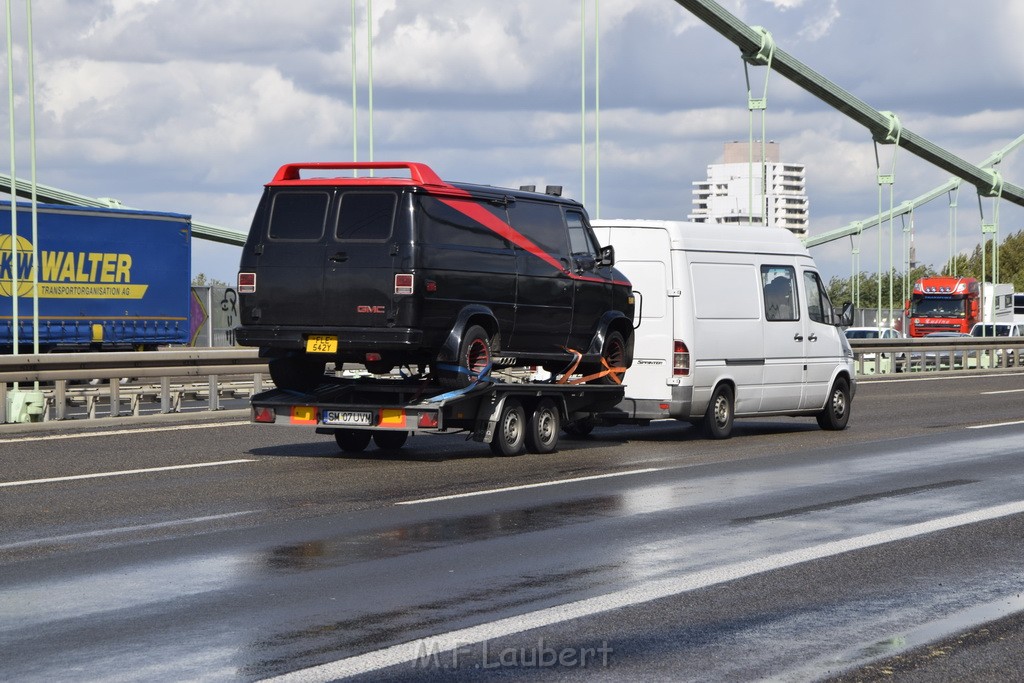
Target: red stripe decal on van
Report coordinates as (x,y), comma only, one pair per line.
(471,208)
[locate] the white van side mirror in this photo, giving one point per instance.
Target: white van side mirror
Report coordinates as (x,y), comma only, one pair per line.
(846,316)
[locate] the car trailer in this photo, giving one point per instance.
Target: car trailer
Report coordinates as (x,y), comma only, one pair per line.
(512,417)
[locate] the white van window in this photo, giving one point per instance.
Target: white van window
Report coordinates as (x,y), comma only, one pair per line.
(780,298)
(819,308)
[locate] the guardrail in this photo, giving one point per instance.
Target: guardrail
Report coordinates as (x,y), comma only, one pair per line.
(210,375)
(173,373)
(937,354)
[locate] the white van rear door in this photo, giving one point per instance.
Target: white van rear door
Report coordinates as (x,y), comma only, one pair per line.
(644,257)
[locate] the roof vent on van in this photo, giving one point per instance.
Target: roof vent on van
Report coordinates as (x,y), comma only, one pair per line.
(554,190)
(528,188)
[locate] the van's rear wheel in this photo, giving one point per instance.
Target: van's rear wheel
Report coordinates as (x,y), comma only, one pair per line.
(718,417)
(614,355)
(836,414)
(510,432)
(297,373)
(474,357)
(542,427)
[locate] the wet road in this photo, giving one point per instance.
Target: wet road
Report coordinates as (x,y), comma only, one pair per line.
(226,551)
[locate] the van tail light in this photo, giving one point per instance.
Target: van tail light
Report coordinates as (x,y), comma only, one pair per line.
(403,283)
(247,283)
(680,360)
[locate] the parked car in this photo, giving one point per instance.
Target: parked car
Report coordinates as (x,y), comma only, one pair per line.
(994,331)
(415,271)
(868,365)
(921,360)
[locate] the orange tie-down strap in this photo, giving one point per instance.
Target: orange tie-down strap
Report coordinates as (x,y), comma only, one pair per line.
(614,373)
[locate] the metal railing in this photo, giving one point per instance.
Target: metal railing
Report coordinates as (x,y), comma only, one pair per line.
(938,354)
(163,378)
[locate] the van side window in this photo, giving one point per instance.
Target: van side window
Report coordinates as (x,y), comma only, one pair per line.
(298,216)
(542,223)
(581,241)
(819,308)
(780,298)
(366,216)
(437,224)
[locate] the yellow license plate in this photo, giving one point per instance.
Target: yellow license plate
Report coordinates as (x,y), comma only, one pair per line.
(321,343)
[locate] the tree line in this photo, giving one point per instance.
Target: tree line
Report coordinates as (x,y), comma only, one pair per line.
(1011,269)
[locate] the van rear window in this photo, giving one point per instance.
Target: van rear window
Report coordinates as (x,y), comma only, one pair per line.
(299,216)
(366,216)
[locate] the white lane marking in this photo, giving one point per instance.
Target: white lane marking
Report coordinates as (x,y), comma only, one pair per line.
(1004,391)
(555,482)
(420,650)
(117,432)
(99,533)
(122,473)
(997,424)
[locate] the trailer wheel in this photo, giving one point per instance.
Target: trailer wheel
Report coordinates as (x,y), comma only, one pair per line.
(390,441)
(474,356)
(297,373)
(614,354)
(718,417)
(510,432)
(542,427)
(579,428)
(836,414)
(352,440)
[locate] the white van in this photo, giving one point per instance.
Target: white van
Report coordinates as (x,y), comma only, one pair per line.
(730,322)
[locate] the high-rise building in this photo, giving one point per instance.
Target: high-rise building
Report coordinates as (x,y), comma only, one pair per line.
(735,194)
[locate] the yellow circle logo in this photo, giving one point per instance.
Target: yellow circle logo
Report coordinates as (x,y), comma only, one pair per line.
(23,259)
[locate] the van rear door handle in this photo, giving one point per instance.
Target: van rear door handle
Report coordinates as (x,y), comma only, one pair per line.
(813,337)
(340,257)
(798,337)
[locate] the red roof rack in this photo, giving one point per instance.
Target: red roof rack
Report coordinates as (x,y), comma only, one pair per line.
(419,174)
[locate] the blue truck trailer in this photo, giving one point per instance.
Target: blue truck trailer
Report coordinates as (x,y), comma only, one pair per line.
(109,279)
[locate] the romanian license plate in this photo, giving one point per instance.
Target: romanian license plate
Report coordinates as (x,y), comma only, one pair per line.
(347,417)
(321,343)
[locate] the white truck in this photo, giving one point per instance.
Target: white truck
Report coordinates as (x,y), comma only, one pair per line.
(730,322)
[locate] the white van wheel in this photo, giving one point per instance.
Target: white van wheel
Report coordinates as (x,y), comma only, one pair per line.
(836,414)
(718,417)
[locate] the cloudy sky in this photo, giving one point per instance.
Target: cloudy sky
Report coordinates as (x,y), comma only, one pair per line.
(190,106)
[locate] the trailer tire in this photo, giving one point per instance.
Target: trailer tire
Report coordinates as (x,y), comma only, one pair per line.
(297,373)
(836,414)
(390,441)
(352,440)
(474,356)
(510,432)
(542,427)
(579,428)
(719,415)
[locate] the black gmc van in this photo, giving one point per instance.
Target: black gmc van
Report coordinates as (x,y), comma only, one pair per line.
(415,271)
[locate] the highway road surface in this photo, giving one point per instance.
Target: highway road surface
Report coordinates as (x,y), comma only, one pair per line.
(214,549)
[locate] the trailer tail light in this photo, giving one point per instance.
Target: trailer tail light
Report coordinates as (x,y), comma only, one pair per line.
(247,283)
(680,360)
(263,415)
(427,421)
(403,283)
